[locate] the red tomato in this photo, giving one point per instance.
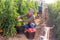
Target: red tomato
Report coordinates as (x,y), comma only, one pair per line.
(16,19)
(1,31)
(31,30)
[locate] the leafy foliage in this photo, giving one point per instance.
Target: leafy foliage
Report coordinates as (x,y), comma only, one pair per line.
(10,10)
(54,13)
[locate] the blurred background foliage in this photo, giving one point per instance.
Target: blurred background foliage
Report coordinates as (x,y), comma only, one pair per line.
(54,18)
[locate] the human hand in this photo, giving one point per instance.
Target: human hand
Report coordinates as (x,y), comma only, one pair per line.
(18,18)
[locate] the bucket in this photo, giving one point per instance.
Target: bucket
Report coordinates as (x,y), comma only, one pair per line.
(30,34)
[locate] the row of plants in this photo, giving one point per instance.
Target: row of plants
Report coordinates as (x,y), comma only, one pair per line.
(10,10)
(54,14)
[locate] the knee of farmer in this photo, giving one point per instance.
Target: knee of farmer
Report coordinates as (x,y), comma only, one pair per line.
(32,25)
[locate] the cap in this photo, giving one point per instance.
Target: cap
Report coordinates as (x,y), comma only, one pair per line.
(31,9)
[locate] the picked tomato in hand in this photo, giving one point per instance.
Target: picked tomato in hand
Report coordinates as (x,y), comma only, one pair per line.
(16,19)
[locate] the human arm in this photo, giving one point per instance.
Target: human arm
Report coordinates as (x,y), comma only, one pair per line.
(21,16)
(29,20)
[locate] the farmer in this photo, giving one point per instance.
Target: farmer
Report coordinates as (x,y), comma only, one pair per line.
(39,13)
(30,20)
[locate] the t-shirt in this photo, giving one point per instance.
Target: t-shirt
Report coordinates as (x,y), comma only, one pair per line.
(31,19)
(41,7)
